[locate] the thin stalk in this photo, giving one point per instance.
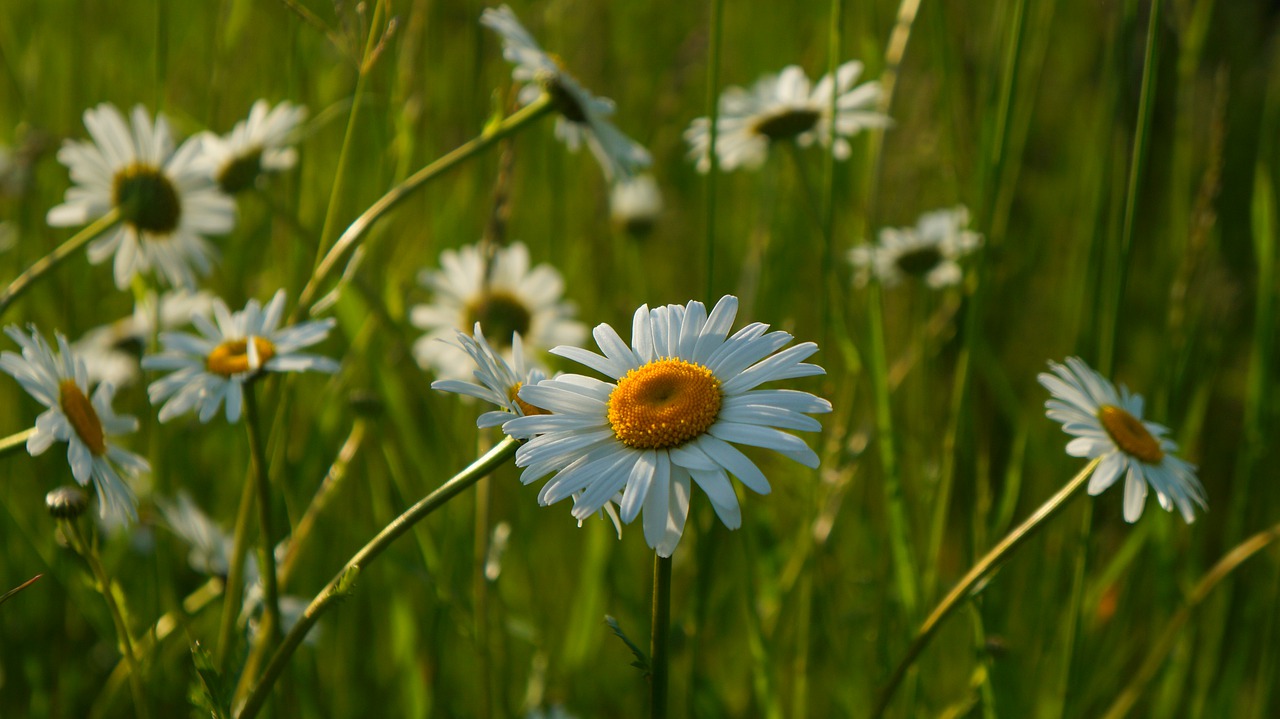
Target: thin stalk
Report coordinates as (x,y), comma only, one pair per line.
(344,581)
(9,594)
(480,593)
(233,595)
(356,231)
(301,534)
(14,442)
(984,567)
(53,259)
(713,136)
(658,656)
(1167,637)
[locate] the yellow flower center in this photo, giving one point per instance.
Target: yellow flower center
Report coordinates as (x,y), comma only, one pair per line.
(1129,434)
(500,315)
(82,417)
(239,174)
(786,125)
(147,199)
(664,404)
(528,409)
(231,358)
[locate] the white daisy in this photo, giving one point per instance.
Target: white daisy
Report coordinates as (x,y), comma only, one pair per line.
(785,107)
(583,116)
(635,204)
(166,199)
(61,384)
(256,146)
(111,351)
(504,295)
(215,364)
(680,394)
(929,251)
(1109,424)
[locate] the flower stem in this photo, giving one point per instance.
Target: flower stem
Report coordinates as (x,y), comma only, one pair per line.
(53,259)
(658,658)
(14,442)
(301,534)
(357,229)
(713,133)
(984,567)
(233,595)
(343,583)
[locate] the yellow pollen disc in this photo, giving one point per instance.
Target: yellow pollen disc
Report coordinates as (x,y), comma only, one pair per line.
(528,409)
(1129,434)
(230,358)
(83,418)
(664,404)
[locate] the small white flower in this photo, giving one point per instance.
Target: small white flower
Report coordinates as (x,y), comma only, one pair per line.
(1109,424)
(583,116)
(498,381)
(504,295)
(635,204)
(213,366)
(680,393)
(785,107)
(929,251)
(258,145)
(167,201)
(111,351)
(61,383)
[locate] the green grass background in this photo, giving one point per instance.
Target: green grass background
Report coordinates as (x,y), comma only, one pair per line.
(1024,110)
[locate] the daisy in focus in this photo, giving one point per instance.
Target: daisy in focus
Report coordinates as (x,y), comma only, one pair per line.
(679,395)
(212,367)
(786,107)
(635,204)
(167,202)
(112,351)
(1109,424)
(930,251)
(86,424)
(504,295)
(583,116)
(256,146)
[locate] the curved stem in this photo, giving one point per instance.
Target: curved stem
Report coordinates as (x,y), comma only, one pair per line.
(985,566)
(658,658)
(356,230)
(15,441)
(343,583)
(53,259)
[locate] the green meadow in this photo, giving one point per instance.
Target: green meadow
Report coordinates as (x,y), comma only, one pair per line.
(1120,161)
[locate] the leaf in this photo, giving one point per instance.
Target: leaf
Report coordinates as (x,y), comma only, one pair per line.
(212,695)
(642,660)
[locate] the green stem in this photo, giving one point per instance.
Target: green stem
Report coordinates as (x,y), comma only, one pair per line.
(357,229)
(233,595)
(658,658)
(14,442)
(301,534)
(53,259)
(343,583)
(713,136)
(984,567)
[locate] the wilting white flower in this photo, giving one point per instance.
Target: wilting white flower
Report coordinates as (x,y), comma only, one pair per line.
(635,204)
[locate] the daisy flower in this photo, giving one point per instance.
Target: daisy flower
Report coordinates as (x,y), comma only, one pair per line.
(504,295)
(635,204)
(256,146)
(1108,424)
(583,116)
(928,251)
(111,351)
(86,424)
(166,200)
(233,349)
(678,396)
(785,107)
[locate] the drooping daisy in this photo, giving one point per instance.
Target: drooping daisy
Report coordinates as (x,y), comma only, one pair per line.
(255,146)
(583,116)
(1109,424)
(166,199)
(111,352)
(679,395)
(213,366)
(504,295)
(929,251)
(86,424)
(785,107)
(635,204)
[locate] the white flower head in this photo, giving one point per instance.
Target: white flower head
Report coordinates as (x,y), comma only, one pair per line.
(212,367)
(167,201)
(258,145)
(929,251)
(498,381)
(111,351)
(1107,423)
(61,383)
(583,116)
(786,107)
(504,295)
(679,395)
(636,204)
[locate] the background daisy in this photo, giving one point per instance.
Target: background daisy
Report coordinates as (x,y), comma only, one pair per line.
(929,251)
(258,145)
